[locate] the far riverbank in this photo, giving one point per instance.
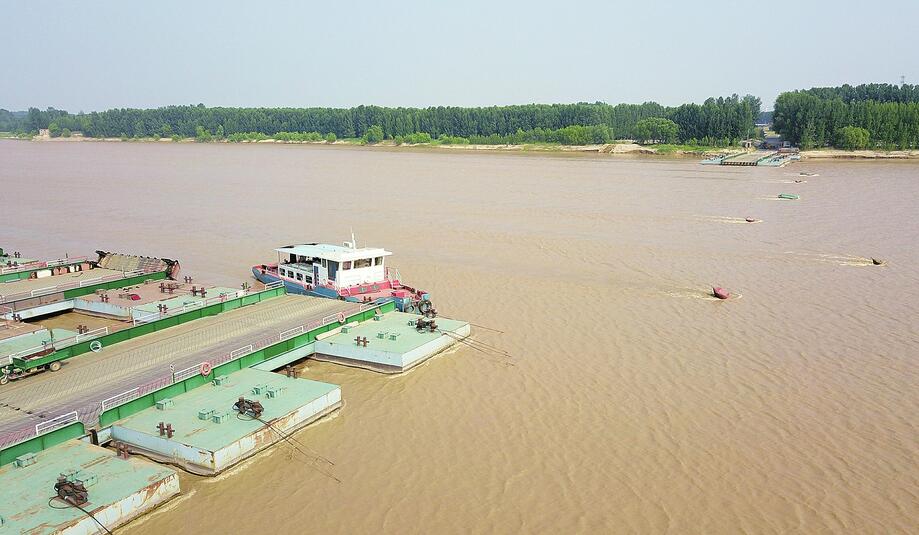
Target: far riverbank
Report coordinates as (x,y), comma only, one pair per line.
(621,147)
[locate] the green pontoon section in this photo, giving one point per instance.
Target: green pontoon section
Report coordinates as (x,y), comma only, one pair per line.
(242,362)
(118,490)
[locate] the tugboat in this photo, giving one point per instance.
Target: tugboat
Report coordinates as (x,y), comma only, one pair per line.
(343,272)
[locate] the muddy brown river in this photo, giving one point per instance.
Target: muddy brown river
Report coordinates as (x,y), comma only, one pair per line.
(632,401)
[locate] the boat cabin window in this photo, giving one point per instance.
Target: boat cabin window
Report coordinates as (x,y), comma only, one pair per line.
(324,263)
(346,265)
(299,276)
(362,263)
(378,261)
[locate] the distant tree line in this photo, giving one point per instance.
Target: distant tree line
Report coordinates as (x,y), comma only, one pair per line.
(820,116)
(11,121)
(722,120)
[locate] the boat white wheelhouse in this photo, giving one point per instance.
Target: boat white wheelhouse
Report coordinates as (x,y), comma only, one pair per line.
(332,266)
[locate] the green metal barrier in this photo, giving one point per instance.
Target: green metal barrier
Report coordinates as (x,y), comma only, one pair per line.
(245,361)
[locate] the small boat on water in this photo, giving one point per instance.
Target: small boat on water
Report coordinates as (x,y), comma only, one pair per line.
(789,196)
(720,292)
(343,272)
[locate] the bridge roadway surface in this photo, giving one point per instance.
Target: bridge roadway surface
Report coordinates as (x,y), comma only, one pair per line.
(83,382)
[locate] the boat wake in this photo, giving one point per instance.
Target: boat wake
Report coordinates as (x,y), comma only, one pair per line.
(728,219)
(697,293)
(832,258)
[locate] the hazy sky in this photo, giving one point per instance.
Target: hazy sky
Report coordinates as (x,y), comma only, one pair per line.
(96,55)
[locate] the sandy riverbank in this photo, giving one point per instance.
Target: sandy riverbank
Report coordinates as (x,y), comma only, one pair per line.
(624,147)
(833,154)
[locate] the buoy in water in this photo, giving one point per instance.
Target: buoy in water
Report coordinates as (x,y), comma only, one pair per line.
(720,292)
(878,261)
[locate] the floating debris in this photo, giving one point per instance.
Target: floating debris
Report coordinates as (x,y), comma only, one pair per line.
(789,196)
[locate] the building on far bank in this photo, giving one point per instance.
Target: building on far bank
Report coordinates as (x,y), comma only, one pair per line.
(775,142)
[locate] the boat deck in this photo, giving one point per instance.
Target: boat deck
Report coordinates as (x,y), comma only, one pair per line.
(9,260)
(202,447)
(32,340)
(13,329)
(391,343)
(364,292)
(85,381)
(748,158)
(23,287)
(119,490)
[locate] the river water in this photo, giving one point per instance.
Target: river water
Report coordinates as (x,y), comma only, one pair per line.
(632,401)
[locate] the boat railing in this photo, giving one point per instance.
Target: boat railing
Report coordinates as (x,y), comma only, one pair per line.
(119,399)
(56,422)
(393,276)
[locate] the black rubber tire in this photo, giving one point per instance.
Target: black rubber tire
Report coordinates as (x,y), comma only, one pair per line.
(54,366)
(4,379)
(425,306)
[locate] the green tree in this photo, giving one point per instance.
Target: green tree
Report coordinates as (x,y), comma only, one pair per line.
(202,135)
(854,138)
(656,129)
(54,129)
(65,132)
(373,135)
(331,137)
